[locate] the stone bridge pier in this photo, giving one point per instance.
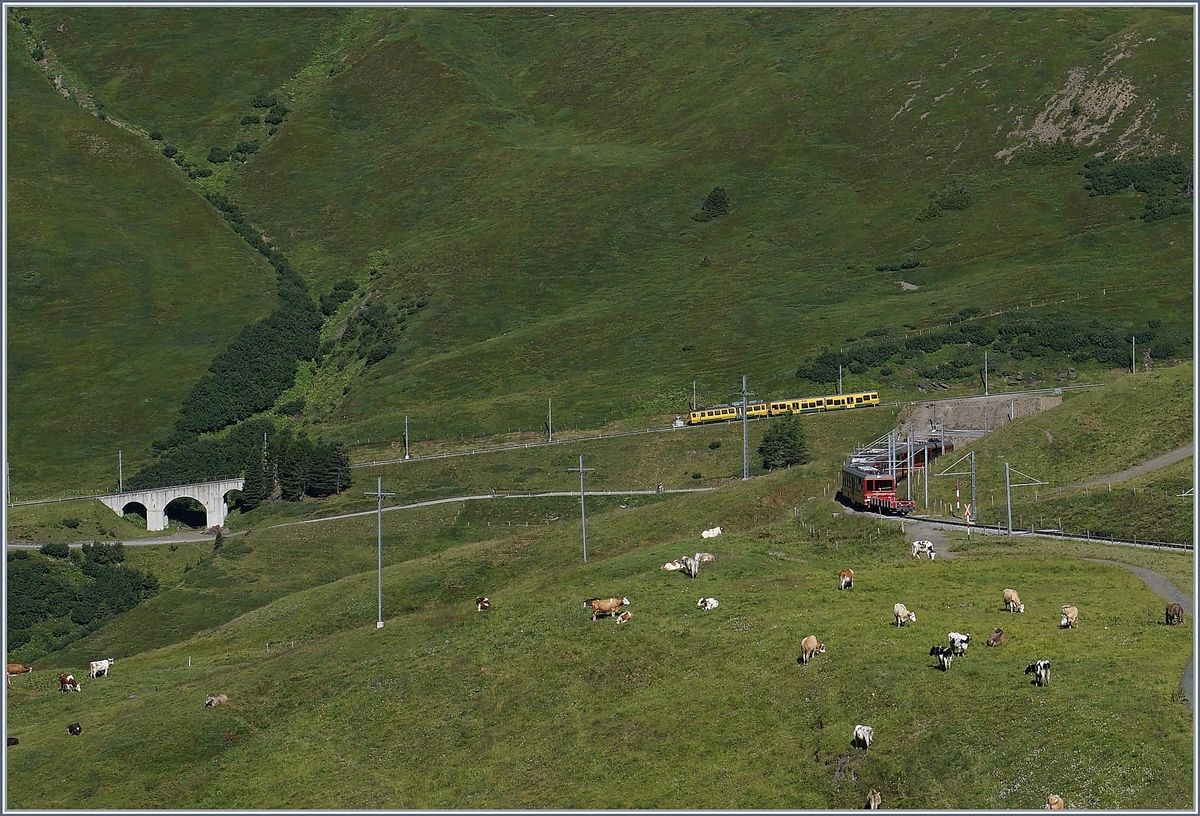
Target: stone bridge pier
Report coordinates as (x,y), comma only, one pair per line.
(155,500)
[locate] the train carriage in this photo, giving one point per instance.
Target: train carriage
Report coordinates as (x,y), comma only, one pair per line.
(869,489)
(726,413)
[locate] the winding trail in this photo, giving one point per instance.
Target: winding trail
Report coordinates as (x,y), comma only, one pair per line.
(1170,458)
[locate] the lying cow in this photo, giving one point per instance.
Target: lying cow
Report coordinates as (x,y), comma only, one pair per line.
(12,741)
(99,667)
(705,558)
(1054,802)
(708,603)
(624,617)
(959,642)
(605,606)
(808,647)
(944,655)
(1040,671)
(75,729)
(671,566)
(215,700)
(923,547)
(67,682)
(1069,615)
(863,734)
(996,637)
(845,578)
(482,603)
(1174,614)
(17,668)
(713,533)
(902,614)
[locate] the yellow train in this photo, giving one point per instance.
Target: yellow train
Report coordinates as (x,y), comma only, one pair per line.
(803,405)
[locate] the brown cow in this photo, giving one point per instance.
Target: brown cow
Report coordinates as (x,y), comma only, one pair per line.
(67,682)
(845,578)
(809,647)
(605,606)
(996,638)
(17,668)
(1174,614)
(1054,802)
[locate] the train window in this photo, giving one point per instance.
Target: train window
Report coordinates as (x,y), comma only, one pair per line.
(858,399)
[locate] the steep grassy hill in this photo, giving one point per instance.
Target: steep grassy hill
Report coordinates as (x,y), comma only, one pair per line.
(518,192)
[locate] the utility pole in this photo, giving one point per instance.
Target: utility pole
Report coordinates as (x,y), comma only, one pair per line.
(380,494)
(406,436)
(120,473)
(839,379)
(550,418)
(985,390)
(909,469)
(1134,355)
(693,395)
(1008,497)
(745,394)
(582,506)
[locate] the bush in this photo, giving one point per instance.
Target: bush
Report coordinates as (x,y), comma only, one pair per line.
(250,119)
(218,155)
(169,151)
(716,205)
(71,523)
(783,445)
(273,118)
(156,136)
(379,351)
(249,146)
(263,101)
(714,444)
(57,550)
(37,54)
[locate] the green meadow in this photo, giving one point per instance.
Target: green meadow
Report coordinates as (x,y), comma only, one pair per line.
(501,215)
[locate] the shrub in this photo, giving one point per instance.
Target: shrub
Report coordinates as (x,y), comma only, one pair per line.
(156,136)
(55,550)
(716,443)
(25,21)
(37,54)
(954,197)
(273,118)
(248,146)
(218,155)
(783,445)
(716,205)
(250,119)
(379,351)
(71,523)
(169,151)
(263,101)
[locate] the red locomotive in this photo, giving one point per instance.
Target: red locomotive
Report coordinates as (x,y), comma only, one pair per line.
(870,489)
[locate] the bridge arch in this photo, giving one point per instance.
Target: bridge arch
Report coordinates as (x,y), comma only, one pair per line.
(211,495)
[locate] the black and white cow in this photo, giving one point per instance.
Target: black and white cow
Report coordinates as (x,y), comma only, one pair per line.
(944,655)
(1040,671)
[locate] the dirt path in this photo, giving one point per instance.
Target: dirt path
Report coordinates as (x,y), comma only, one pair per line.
(1157,462)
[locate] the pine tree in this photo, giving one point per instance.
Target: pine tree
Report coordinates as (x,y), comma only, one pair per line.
(783,444)
(256,487)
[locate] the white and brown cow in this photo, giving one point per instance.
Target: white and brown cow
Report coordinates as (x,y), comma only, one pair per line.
(1069,616)
(808,647)
(1012,601)
(708,603)
(672,566)
(99,667)
(605,606)
(215,700)
(845,578)
(67,682)
(482,603)
(1054,802)
(874,800)
(624,617)
(17,668)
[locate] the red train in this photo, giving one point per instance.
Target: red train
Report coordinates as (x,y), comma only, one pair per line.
(874,490)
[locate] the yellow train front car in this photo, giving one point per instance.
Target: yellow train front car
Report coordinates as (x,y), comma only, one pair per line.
(726,413)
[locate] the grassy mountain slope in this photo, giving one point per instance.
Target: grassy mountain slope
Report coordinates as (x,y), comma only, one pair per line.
(122,286)
(534,705)
(530,176)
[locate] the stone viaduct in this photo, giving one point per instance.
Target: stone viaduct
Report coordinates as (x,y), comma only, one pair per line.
(209,494)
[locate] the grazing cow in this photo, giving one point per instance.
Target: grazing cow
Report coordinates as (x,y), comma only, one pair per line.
(671,566)
(1174,614)
(12,741)
(902,614)
(605,606)
(1012,601)
(996,637)
(808,647)
(944,655)
(874,800)
(713,533)
(926,547)
(75,729)
(1054,802)
(705,558)
(691,565)
(708,603)
(100,667)
(215,700)
(1040,671)
(959,642)
(624,616)
(17,668)
(67,682)
(845,578)
(482,603)
(863,734)
(1069,615)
